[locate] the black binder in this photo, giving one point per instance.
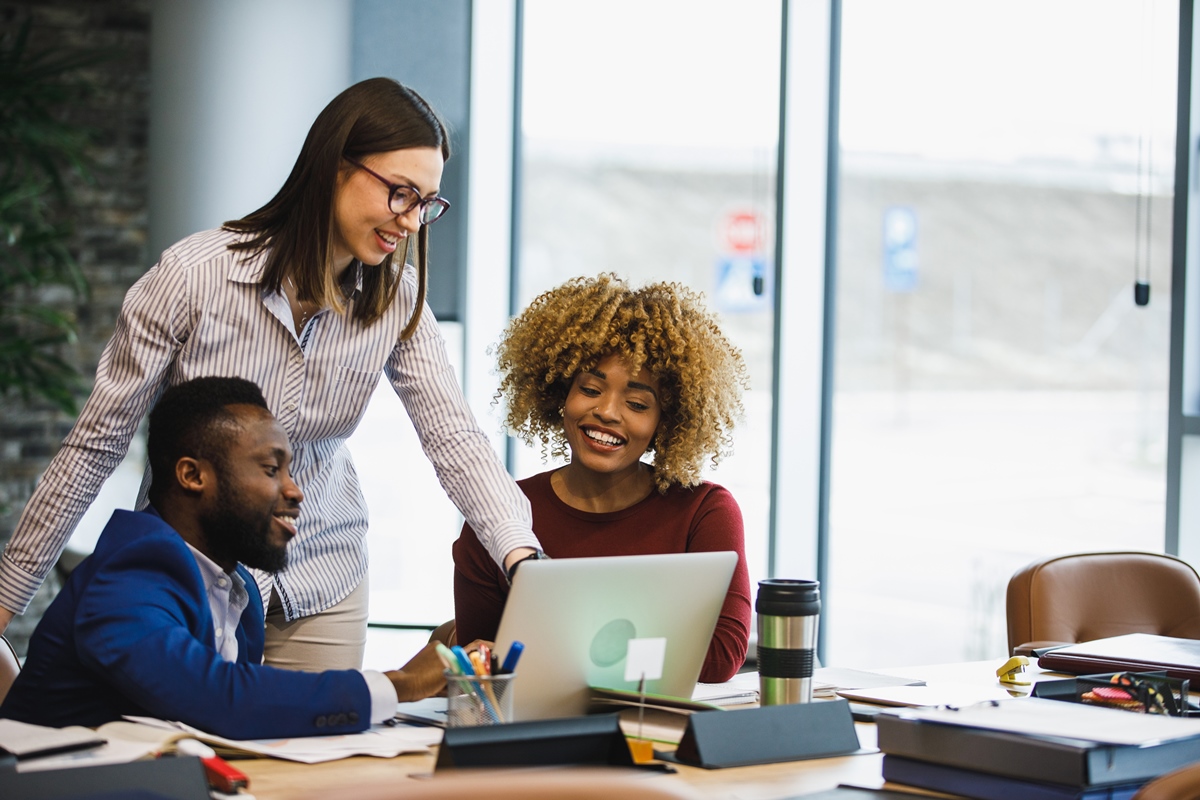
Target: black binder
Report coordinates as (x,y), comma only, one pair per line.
(180,778)
(575,741)
(741,737)
(1070,762)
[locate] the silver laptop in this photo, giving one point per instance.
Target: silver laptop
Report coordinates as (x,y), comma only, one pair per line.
(575,617)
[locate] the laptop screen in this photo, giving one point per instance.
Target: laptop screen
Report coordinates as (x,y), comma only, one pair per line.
(576,617)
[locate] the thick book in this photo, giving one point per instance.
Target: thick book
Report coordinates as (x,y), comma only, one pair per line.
(1133,652)
(1049,759)
(26,741)
(985,786)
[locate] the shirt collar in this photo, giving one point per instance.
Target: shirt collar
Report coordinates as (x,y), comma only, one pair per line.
(209,568)
(250,270)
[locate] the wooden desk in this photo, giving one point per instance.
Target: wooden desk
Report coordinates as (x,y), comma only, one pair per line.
(271,779)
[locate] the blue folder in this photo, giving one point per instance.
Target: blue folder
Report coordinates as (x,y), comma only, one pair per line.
(984,786)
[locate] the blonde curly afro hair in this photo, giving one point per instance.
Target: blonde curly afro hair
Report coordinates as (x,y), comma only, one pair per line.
(663,327)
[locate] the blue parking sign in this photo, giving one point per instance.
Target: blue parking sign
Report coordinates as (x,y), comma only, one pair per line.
(900,249)
(743,283)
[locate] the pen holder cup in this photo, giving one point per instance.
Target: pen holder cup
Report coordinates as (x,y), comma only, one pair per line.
(479,700)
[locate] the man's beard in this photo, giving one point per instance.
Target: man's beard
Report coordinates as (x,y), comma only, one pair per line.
(235,533)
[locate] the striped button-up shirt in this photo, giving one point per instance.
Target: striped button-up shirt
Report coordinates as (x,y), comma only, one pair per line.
(202,311)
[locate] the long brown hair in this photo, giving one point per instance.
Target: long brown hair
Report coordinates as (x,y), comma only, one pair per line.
(377,115)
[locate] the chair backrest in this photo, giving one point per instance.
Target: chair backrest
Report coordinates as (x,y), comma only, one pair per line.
(1182,784)
(1086,596)
(9,667)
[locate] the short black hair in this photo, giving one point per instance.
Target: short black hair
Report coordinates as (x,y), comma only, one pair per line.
(193,419)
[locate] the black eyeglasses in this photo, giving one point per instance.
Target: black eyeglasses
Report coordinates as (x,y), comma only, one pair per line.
(403,199)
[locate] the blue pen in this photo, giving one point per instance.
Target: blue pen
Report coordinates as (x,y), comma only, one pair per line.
(468,669)
(514,655)
(463,660)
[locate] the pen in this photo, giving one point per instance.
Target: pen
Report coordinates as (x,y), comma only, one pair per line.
(478,663)
(485,655)
(468,669)
(510,660)
(464,662)
(449,660)
(482,670)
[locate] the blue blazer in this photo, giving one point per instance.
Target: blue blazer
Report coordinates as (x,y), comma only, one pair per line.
(132,633)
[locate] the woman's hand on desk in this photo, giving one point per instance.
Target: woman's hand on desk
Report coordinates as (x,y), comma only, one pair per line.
(423,676)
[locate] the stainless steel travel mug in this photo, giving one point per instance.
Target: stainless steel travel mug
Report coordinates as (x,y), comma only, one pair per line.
(788,611)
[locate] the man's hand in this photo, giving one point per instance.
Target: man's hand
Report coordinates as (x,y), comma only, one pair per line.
(421,677)
(424,675)
(6,617)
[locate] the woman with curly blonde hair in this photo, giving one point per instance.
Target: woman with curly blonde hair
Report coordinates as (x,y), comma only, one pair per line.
(606,374)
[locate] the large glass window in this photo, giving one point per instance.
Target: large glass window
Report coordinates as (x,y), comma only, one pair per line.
(648,146)
(1005,171)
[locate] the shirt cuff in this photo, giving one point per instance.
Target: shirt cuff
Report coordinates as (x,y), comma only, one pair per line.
(508,538)
(17,587)
(383,696)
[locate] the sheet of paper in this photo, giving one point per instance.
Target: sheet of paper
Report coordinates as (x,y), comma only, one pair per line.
(431,711)
(1039,717)
(741,687)
(941,694)
(644,659)
(842,678)
(383,741)
(826,682)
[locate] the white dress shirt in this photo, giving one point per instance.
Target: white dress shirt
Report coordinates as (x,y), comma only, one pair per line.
(228,598)
(202,311)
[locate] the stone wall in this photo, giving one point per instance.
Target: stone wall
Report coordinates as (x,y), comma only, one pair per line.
(109,218)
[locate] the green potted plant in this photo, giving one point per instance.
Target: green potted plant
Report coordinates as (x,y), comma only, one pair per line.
(41,156)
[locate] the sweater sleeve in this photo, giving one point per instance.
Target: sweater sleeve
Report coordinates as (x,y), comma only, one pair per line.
(480,590)
(718,526)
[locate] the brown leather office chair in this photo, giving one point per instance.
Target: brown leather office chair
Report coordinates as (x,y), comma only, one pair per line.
(9,667)
(1182,784)
(1086,596)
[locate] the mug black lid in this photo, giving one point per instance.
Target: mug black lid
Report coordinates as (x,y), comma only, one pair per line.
(788,597)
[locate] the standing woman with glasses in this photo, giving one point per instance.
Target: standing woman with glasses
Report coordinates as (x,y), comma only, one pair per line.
(310,297)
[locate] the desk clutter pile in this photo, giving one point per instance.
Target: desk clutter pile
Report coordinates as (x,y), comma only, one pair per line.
(1033,748)
(1064,740)
(1092,737)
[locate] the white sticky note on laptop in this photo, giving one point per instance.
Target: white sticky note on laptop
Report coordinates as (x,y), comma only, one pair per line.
(644,659)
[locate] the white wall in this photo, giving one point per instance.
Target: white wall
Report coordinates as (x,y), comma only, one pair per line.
(235,85)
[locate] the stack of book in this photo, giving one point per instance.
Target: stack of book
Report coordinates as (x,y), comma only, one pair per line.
(1033,749)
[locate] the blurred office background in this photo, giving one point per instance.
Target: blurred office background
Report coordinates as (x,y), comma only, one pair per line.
(950,376)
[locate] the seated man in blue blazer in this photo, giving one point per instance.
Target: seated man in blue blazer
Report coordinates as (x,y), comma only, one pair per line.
(162,620)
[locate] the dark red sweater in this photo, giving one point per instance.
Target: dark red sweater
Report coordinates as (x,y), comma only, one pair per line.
(703,518)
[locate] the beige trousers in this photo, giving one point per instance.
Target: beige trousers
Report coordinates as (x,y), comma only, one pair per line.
(332,639)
